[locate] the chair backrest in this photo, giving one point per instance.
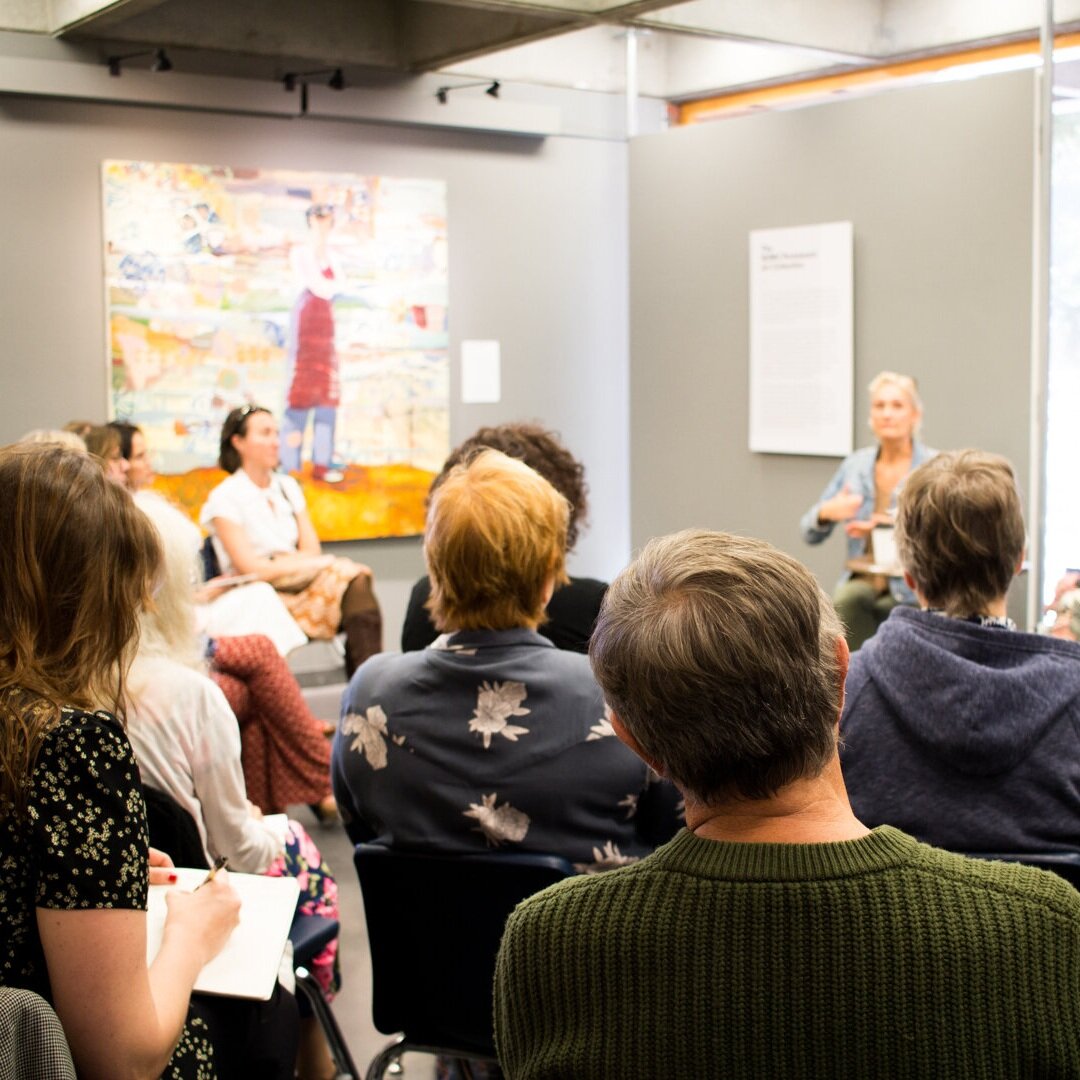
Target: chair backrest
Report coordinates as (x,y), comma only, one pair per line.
(32,1043)
(434,923)
(211,566)
(173,829)
(1064,864)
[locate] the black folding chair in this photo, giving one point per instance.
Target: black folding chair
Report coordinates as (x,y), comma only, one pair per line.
(434,923)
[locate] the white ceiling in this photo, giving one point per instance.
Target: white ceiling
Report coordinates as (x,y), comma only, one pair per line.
(684,50)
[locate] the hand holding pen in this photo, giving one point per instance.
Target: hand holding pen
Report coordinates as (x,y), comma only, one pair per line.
(210,914)
(220,863)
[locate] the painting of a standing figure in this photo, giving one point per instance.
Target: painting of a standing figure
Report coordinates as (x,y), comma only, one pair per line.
(320,296)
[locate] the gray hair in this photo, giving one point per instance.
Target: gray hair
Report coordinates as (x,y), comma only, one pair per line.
(719,654)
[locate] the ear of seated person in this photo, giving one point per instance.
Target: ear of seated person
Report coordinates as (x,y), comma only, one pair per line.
(492,737)
(776,936)
(957,727)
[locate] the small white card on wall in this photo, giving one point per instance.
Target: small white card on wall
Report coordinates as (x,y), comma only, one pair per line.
(480,373)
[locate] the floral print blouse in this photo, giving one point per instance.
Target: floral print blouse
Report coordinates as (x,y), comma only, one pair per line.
(493,739)
(80,843)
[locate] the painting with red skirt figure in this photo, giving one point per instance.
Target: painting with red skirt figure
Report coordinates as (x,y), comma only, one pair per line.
(321,296)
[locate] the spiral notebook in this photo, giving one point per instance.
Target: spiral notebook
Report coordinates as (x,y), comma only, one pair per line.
(247,967)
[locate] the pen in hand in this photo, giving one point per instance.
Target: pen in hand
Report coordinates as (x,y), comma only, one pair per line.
(220,863)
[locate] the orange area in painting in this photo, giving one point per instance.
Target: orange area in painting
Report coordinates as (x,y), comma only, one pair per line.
(370,502)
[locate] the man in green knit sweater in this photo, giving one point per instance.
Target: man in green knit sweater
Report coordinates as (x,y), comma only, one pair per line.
(776,936)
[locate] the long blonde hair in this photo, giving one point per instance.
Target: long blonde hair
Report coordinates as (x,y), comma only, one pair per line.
(167,623)
(76,563)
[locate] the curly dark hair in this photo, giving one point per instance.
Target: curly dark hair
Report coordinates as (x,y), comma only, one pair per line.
(541,450)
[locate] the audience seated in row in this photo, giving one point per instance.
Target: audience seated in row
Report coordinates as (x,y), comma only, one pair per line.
(776,935)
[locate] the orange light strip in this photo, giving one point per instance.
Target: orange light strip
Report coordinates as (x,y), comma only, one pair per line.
(695,112)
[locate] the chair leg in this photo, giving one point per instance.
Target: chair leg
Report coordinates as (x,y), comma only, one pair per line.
(384,1058)
(335,1040)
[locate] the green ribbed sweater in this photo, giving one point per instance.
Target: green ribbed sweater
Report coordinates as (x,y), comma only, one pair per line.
(872,958)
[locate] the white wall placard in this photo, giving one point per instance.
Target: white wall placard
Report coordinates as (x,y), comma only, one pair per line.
(801,340)
(480,373)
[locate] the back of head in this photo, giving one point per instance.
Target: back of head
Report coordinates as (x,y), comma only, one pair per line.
(542,451)
(960,530)
(168,622)
(719,655)
(76,561)
(496,531)
(55,437)
(102,440)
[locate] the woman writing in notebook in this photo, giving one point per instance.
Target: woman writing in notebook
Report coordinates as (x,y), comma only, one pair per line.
(77,563)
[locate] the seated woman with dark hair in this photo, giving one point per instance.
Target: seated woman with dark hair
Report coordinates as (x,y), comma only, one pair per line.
(957,727)
(77,561)
(260,525)
(133,449)
(492,737)
(571,612)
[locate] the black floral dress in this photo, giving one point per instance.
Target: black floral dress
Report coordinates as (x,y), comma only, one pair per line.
(80,843)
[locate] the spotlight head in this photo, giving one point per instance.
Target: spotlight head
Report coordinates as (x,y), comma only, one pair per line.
(289,82)
(114,65)
(440,93)
(493,89)
(161,61)
(337,80)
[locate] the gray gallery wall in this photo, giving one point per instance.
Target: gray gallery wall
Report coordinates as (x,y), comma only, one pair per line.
(538,261)
(938,183)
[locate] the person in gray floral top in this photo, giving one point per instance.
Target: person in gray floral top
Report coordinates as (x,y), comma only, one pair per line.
(491,738)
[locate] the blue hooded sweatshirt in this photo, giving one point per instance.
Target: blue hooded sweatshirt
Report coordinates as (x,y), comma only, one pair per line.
(965,736)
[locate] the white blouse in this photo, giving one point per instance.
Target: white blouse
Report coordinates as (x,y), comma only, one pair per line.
(267,515)
(187,743)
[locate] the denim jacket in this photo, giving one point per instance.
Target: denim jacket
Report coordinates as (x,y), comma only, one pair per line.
(857,472)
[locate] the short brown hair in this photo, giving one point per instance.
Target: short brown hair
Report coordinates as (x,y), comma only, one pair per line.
(495,531)
(960,530)
(541,450)
(76,562)
(718,653)
(235,424)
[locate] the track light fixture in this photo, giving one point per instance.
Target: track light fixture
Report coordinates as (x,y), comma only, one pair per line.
(161,60)
(335,82)
(492,89)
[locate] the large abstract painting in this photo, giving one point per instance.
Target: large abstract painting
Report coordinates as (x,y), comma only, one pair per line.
(321,296)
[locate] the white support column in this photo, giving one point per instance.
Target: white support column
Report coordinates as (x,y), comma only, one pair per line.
(1040,320)
(631,83)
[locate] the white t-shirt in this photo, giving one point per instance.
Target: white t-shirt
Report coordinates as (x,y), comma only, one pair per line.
(187,743)
(267,515)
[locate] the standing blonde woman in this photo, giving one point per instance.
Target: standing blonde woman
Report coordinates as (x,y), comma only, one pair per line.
(862,495)
(77,561)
